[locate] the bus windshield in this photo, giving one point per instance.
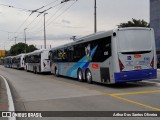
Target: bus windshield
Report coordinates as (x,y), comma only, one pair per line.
(134,40)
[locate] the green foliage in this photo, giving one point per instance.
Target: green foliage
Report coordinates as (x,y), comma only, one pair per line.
(31,48)
(21,48)
(134,23)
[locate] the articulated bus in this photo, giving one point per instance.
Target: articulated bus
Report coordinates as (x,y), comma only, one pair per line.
(8,61)
(18,61)
(120,55)
(37,61)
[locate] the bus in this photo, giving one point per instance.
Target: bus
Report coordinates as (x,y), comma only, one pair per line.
(18,61)
(37,61)
(8,61)
(115,56)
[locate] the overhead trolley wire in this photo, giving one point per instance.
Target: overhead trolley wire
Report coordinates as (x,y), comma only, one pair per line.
(49,18)
(36,10)
(10,6)
(51,3)
(61,13)
(56,17)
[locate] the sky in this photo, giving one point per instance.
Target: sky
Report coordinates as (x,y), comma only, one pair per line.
(64,20)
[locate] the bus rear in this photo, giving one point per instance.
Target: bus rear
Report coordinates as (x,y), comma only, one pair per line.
(136,55)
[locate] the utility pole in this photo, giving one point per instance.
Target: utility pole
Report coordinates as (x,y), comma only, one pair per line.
(95,16)
(44,32)
(25,38)
(25,35)
(15,39)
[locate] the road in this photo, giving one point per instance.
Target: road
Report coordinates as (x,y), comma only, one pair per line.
(41,92)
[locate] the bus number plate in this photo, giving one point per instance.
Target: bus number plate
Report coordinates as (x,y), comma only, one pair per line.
(137,67)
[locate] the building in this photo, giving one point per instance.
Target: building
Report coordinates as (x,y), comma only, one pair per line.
(2,53)
(155,20)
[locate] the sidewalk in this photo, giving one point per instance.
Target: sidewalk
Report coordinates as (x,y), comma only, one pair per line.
(3,96)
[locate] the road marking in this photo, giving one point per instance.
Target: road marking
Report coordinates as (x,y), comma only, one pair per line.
(118,97)
(137,103)
(138,92)
(157,83)
(10,99)
(127,100)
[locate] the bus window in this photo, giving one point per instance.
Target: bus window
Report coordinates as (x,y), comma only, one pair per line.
(103,50)
(79,52)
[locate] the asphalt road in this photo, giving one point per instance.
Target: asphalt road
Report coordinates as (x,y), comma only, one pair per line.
(41,92)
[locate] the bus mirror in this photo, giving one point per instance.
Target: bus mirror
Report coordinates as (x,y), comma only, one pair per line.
(114,34)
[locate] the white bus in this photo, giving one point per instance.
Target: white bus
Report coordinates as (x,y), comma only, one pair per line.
(37,61)
(120,55)
(18,61)
(8,61)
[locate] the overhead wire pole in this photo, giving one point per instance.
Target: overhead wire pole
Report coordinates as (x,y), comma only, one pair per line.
(25,38)
(44,31)
(95,16)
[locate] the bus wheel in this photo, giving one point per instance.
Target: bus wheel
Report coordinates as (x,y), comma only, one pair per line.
(56,72)
(80,75)
(89,76)
(26,69)
(35,70)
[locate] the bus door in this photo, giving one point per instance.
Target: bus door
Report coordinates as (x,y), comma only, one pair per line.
(45,65)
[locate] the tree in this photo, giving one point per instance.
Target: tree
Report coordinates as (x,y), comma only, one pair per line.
(31,48)
(20,48)
(134,23)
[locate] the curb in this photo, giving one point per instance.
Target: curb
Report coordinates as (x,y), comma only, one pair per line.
(10,99)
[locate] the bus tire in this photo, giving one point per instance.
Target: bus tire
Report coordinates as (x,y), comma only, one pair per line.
(26,69)
(89,76)
(35,70)
(80,75)
(56,72)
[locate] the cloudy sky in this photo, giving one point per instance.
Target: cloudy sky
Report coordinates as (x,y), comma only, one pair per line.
(73,18)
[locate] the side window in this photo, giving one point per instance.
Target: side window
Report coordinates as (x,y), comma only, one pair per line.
(69,53)
(61,55)
(79,52)
(54,56)
(18,60)
(103,50)
(36,58)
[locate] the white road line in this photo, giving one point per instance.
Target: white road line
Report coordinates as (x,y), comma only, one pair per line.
(158,84)
(10,99)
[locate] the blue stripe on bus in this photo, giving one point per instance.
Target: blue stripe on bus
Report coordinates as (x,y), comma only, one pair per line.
(83,64)
(129,76)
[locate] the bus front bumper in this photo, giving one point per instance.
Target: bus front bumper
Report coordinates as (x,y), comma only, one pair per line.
(135,75)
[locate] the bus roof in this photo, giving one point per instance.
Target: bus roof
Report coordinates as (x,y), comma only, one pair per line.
(87,38)
(99,35)
(37,51)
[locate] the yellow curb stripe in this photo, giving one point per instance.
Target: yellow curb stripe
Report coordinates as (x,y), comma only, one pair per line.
(140,92)
(137,103)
